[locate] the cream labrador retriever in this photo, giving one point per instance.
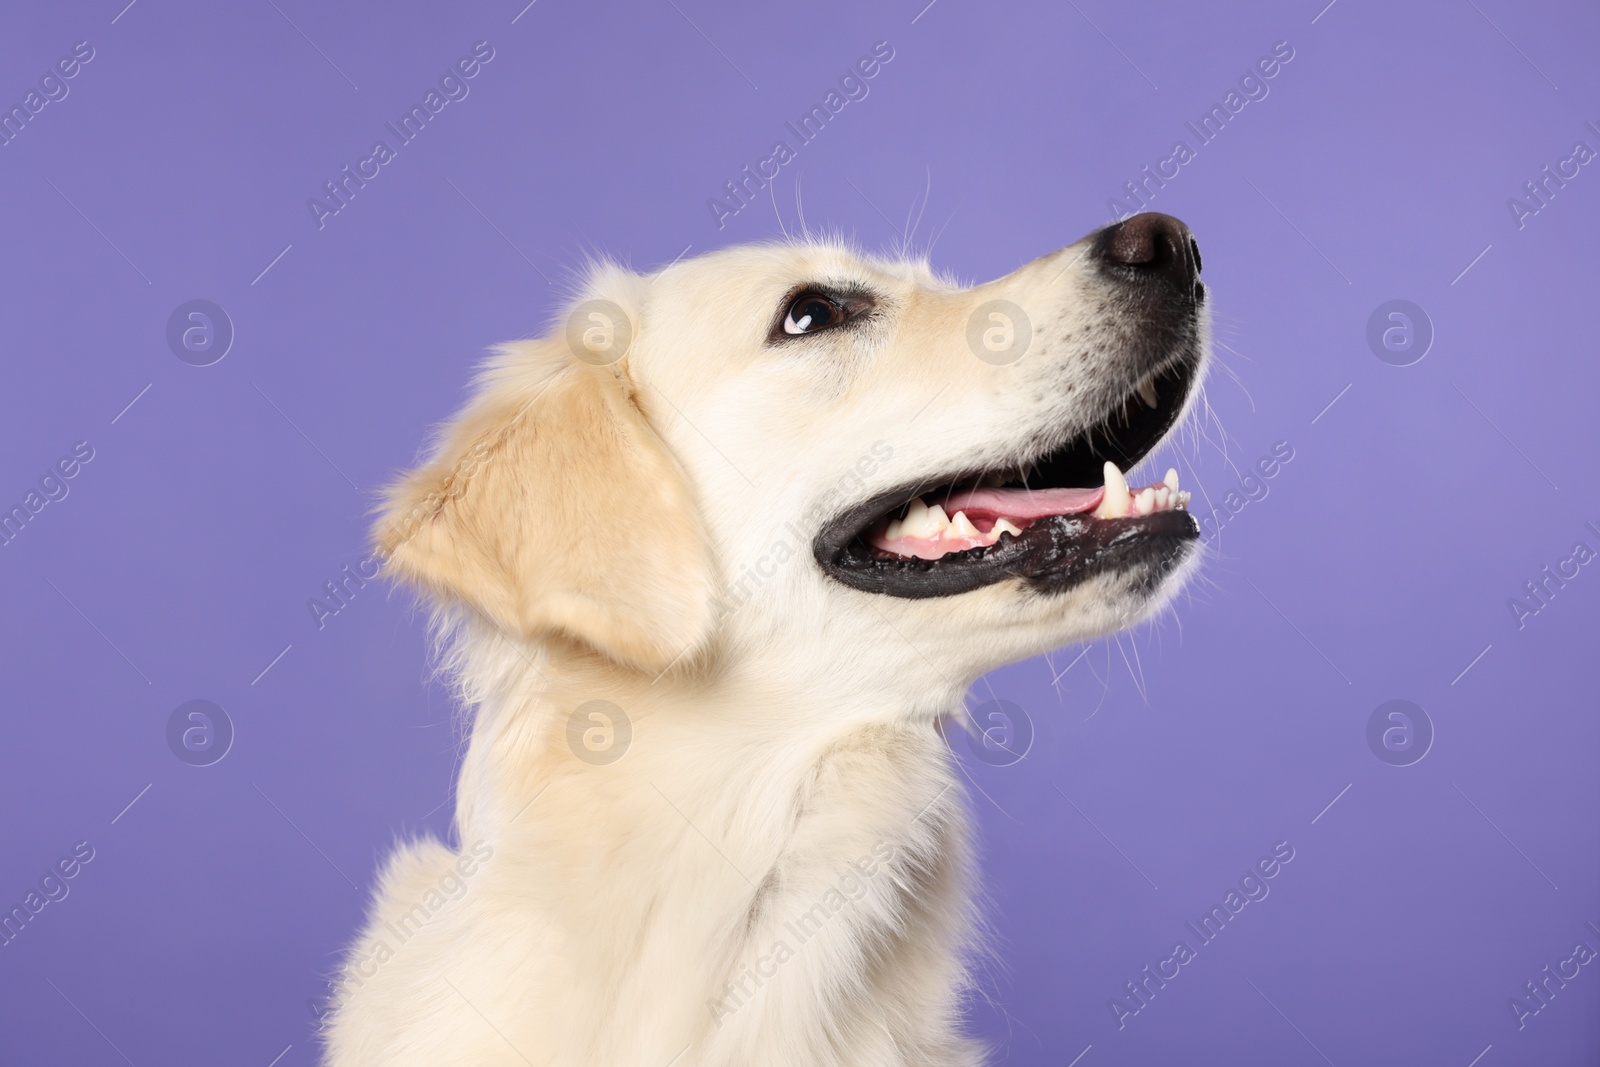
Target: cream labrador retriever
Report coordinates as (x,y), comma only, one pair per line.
(713,564)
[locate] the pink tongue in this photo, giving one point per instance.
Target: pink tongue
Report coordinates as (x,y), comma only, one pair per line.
(1021,504)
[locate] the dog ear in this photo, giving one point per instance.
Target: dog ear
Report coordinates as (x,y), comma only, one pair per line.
(553,508)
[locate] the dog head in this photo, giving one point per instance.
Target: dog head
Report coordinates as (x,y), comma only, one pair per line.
(793,442)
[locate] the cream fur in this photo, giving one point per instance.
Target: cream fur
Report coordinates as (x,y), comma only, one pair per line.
(612,533)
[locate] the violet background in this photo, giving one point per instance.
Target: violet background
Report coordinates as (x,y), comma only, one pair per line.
(1378,566)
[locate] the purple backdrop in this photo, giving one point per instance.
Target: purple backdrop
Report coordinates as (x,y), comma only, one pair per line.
(1424,470)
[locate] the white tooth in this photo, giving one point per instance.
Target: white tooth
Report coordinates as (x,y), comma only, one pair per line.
(961,526)
(894,531)
(916,524)
(1183,499)
(1145,502)
(1163,498)
(1147,392)
(1003,526)
(1114,505)
(1171,480)
(938,521)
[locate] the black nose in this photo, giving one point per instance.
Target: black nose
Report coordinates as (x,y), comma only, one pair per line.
(1157,247)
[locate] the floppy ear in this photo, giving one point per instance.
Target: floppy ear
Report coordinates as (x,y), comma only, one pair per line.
(553,508)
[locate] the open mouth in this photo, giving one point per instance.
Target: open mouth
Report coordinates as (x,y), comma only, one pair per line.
(1052,519)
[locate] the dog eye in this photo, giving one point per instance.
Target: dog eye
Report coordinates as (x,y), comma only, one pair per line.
(811,312)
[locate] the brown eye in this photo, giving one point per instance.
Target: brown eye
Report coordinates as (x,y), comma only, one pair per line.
(811,312)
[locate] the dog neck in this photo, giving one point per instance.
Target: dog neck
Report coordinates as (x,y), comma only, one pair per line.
(756,859)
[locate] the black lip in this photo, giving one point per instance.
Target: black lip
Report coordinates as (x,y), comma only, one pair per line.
(1054,553)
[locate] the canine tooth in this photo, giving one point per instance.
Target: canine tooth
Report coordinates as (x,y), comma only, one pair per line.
(962,526)
(1114,505)
(1171,480)
(1003,526)
(938,521)
(1145,502)
(894,531)
(1147,392)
